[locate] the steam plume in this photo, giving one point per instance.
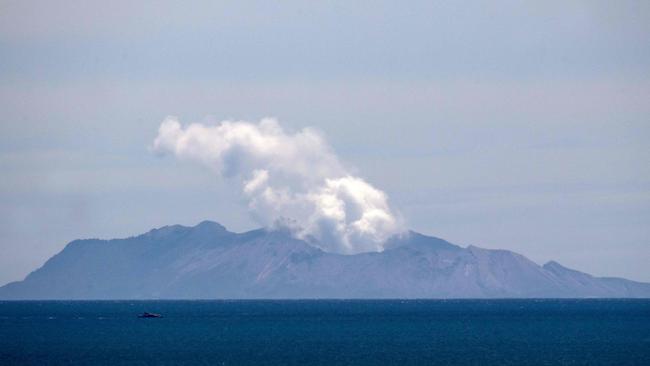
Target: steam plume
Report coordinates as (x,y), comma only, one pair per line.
(293,179)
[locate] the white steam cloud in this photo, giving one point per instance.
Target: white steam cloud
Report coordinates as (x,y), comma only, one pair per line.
(291,179)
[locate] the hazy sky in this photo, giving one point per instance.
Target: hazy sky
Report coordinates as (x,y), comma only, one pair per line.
(521,125)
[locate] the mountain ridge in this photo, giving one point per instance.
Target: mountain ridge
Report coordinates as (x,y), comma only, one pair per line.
(207,261)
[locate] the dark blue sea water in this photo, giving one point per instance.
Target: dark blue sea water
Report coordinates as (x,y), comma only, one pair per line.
(327,332)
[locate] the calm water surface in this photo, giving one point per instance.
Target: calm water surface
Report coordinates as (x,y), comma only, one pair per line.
(327,332)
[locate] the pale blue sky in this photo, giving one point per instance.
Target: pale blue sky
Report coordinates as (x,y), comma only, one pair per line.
(522,125)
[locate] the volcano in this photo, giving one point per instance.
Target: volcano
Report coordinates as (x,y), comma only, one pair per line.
(209,262)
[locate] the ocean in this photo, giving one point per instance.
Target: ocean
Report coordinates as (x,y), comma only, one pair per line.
(326,332)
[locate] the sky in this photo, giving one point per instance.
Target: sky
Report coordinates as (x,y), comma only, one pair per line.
(521,125)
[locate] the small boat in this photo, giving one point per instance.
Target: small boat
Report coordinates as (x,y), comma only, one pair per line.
(149,315)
